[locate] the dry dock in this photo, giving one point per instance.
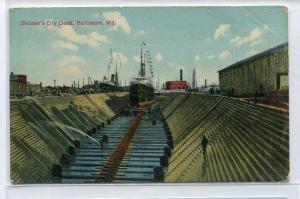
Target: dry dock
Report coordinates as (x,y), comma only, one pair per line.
(49,142)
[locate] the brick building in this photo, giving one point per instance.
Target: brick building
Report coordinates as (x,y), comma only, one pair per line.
(177,85)
(171,85)
(19,87)
(21,79)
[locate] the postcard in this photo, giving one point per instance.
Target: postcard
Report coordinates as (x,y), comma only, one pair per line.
(149,94)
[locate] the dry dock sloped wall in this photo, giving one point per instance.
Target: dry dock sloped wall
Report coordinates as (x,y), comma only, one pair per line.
(246,143)
(45,131)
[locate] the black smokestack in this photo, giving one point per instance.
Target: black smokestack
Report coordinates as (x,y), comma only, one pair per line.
(205,83)
(112,78)
(181,75)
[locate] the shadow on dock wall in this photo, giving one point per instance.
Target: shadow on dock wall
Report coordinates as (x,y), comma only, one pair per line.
(45,131)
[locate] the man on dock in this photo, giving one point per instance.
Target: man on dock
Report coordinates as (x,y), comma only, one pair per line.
(204,143)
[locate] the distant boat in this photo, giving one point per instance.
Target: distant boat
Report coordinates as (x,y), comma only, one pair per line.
(112,84)
(141,88)
(107,86)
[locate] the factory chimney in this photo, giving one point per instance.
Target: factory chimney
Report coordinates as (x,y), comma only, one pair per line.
(181,75)
(205,83)
(112,78)
(194,79)
(116,78)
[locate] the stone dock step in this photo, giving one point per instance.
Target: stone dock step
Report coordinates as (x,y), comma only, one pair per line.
(88,160)
(143,154)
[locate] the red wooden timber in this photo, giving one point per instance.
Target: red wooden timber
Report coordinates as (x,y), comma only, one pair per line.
(110,168)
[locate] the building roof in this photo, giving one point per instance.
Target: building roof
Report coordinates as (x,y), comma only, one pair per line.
(179,81)
(237,64)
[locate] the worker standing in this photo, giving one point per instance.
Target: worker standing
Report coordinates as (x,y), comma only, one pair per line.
(204,143)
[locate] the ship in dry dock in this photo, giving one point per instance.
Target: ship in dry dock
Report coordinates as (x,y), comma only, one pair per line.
(141,88)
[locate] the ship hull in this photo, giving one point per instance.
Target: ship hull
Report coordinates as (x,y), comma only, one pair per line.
(139,93)
(106,87)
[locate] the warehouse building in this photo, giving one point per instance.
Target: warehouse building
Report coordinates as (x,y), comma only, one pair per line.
(266,72)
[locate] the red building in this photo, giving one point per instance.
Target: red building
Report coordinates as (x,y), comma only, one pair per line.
(21,79)
(171,85)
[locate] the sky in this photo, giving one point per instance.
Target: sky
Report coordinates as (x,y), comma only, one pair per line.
(206,39)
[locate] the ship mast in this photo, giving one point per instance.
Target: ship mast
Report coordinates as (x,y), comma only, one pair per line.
(142,70)
(120,65)
(116,73)
(109,64)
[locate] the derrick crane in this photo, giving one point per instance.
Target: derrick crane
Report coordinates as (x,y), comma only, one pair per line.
(110,61)
(90,81)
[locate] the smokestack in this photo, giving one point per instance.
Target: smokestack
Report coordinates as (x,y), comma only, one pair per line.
(116,78)
(205,83)
(181,75)
(112,78)
(194,79)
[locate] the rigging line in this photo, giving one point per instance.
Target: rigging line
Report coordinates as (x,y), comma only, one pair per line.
(228,46)
(260,21)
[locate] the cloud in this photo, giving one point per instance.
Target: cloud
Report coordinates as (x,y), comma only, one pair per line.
(221,30)
(224,55)
(122,57)
(197,57)
(70,68)
(158,57)
(252,38)
(120,21)
(65,45)
(93,39)
(210,56)
(136,58)
(256,42)
(139,33)
(266,27)
(71,60)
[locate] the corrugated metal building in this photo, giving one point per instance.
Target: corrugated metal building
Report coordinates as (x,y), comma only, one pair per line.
(265,72)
